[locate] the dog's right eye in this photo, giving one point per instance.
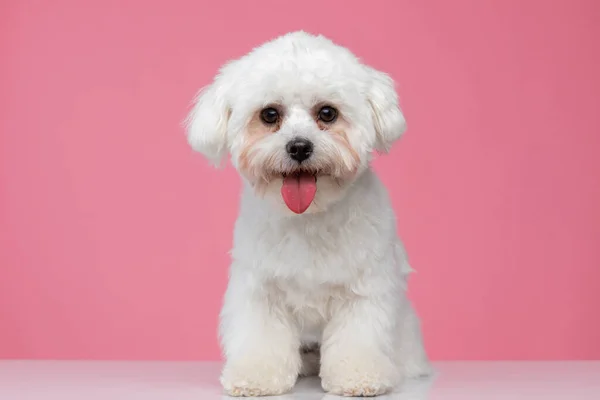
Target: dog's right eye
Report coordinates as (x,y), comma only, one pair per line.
(269,115)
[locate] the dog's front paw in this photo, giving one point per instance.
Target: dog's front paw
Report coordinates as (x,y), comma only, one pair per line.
(260,378)
(358,386)
(359,378)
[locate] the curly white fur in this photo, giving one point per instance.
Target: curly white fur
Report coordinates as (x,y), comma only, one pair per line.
(321,292)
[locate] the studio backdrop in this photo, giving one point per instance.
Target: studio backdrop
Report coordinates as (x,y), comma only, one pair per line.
(114,235)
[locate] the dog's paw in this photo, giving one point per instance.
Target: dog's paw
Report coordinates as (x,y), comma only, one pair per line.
(360,387)
(258,379)
(360,378)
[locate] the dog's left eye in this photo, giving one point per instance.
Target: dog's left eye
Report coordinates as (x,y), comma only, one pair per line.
(327,114)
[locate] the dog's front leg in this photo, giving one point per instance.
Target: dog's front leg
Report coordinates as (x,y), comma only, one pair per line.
(357,353)
(260,342)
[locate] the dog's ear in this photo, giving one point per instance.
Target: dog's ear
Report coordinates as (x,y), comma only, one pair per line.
(206,124)
(387,117)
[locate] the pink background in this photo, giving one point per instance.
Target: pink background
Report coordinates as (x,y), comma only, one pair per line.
(114,235)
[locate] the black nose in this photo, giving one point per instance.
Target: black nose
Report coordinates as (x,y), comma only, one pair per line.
(299,149)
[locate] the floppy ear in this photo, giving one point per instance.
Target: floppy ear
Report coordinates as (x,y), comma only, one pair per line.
(387,117)
(206,124)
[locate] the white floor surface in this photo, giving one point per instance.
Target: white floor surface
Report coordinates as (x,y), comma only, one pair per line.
(87,380)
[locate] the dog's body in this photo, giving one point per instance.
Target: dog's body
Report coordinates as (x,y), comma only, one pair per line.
(322,292)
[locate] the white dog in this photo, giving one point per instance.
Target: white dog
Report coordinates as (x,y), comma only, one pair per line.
(318,277)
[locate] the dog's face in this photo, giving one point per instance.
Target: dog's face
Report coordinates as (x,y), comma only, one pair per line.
(300,117)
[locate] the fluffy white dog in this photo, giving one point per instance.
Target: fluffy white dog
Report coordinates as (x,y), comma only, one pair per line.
(318,277)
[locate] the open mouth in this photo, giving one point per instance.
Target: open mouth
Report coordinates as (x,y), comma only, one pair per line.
(298,190)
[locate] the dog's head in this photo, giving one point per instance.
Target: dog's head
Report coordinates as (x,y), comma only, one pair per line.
(300,117)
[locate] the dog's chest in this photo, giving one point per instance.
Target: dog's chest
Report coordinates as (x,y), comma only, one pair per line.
(304,294)
(314,254)
(311,306)
(313,268)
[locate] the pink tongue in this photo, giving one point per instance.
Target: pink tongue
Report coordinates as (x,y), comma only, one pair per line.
(298,191)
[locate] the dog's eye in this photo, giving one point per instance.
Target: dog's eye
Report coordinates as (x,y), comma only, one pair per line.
(327,114)
(269,115)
